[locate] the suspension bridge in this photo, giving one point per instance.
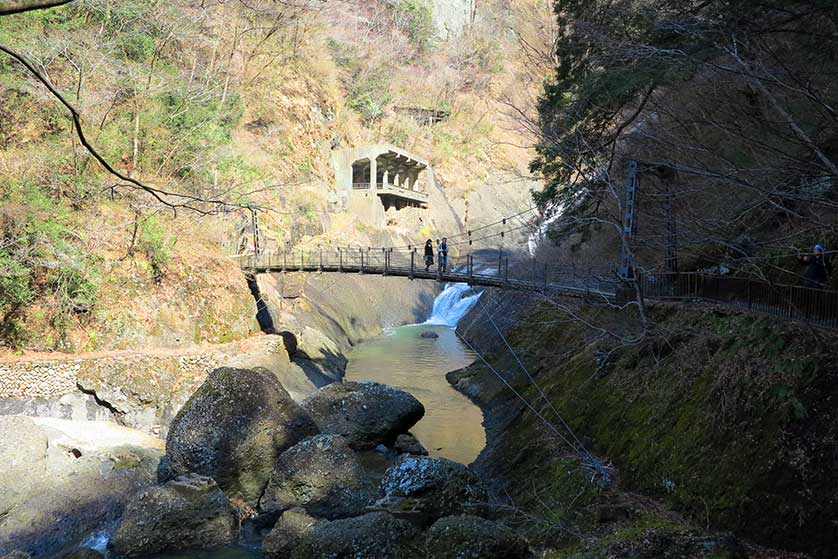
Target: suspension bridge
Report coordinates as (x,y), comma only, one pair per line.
(476,262)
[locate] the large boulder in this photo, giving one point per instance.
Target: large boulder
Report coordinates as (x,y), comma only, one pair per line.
(431,488)
(376,535)
(234,428)
(289,530)
(190,512)
(322,475)
(23,460)
(91,470)
(366,413)
(460,536)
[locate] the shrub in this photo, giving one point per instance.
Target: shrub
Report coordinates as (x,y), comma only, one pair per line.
(15,294)
(157,246)
(415,18)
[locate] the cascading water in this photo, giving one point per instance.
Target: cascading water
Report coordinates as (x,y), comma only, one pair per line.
(452,304)
(410,359)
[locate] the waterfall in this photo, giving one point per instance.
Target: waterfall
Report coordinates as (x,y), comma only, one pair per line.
(452,304)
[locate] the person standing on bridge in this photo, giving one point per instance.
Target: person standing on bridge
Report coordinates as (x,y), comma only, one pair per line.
(443,254)
(817,270)
(429,255)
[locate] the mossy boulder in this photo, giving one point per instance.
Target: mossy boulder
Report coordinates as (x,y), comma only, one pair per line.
(365,413)
(190,512)
(322,475)
(289,530)
(234,428)
(376,535)
(455,537)
(431,488)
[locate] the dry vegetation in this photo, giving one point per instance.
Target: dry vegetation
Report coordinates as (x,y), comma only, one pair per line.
(237,102)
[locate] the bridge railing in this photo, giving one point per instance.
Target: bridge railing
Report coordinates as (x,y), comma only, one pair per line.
(814,306)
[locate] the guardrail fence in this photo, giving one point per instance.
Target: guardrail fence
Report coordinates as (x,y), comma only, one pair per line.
(814,306)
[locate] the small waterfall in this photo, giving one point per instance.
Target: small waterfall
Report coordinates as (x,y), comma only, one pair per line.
(452,304)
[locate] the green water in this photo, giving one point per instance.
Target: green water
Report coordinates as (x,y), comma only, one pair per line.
(453,426)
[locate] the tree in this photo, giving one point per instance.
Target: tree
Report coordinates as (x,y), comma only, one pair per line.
(728,105)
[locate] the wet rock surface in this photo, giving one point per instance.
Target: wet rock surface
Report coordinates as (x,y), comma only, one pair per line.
(429,335)
(321,474)
(234,428)
(365,413)
(409,444)
(190,512)
(291,527)
(455,537)
(83,553)
(431,488)
(375,535)
(68,480)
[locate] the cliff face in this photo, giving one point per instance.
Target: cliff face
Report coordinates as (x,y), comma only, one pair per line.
(727,418)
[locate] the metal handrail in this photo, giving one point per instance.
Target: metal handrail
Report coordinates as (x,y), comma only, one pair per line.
(814,306)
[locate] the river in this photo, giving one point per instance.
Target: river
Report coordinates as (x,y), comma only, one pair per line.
(452,427)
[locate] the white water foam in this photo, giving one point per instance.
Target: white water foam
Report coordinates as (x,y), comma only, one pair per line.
(97,541)
(452,304)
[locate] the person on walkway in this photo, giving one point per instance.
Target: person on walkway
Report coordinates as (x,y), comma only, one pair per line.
(429,255)
(443,254)
(818,268)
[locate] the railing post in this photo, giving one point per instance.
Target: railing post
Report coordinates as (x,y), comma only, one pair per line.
(321,259)
(412,263)
(284,260)
(749,294)
(361,269)
(506,271)
(500,260)
(470,263)
(340,259)
(386,261)
(302,261)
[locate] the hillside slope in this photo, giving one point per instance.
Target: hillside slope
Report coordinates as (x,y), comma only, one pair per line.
(231,102)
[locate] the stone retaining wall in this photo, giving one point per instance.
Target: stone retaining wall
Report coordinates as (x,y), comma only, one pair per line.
(40,379)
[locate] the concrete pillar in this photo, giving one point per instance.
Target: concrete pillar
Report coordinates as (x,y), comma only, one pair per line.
(386,176)
(373,173)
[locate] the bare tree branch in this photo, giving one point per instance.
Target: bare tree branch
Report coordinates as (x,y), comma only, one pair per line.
(8,7)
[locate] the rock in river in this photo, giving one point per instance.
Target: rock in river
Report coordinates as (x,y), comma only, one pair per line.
(429,335)
(431,488)
(190,512)
(366,413)
(409,444)
(234,428)
(286,535)
(377,535)
(322,475)
(460,536)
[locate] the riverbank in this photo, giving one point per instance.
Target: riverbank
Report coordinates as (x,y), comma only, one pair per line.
(316,323)
(676,416)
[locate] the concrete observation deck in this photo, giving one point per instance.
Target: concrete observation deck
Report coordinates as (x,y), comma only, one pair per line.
(378,179)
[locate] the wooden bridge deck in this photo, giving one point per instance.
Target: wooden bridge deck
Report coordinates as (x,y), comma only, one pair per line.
(470,278)
(816,307)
